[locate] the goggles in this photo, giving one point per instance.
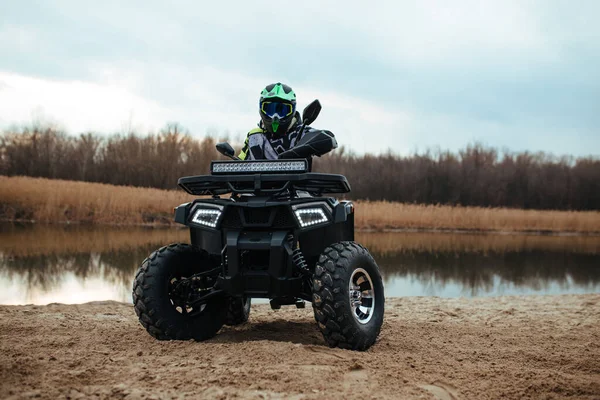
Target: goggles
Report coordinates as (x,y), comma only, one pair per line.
(276,109)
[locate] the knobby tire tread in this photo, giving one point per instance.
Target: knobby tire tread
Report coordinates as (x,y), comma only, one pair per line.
(146,304)
(330,302)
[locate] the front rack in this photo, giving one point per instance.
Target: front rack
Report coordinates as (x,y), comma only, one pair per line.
(264,184)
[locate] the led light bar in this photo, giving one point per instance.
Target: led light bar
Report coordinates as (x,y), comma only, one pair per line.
(254,167)
(311,216)
(207,217)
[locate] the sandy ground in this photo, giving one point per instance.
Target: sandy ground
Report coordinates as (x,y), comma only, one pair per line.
(505,347)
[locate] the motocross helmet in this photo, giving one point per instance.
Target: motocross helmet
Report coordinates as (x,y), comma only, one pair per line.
(277,107)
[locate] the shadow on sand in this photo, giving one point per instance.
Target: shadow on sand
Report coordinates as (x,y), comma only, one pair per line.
(278,330)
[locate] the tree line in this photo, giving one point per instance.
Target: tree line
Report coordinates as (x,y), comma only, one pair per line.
(474,176)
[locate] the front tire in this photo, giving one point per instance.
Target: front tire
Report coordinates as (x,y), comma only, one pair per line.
(161,312)
(348,297)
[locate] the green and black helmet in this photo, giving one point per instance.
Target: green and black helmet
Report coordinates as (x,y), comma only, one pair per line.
(277,107)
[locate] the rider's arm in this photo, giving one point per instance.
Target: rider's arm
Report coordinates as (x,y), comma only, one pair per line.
(251,151)
(245,150)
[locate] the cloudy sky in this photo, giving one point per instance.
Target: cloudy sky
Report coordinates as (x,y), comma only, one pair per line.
(404,75)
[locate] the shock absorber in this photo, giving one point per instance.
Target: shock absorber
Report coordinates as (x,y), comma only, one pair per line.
(298,257)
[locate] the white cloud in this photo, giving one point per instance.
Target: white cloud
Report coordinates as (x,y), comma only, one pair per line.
(207,99)
(78,106)
(15,36)
(433,31)
(414,32)
(361,125)
(440,68)
(200,99)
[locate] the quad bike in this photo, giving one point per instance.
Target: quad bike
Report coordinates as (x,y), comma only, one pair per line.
(274,237)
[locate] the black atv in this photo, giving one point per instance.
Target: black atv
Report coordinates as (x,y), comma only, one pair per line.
(276,237)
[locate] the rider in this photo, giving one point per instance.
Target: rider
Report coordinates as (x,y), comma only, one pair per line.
(279,127)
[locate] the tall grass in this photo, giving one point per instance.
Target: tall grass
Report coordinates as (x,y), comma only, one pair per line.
(383,215)
(45,200)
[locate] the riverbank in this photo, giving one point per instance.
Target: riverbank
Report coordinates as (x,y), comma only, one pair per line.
(57,201)
(511,347)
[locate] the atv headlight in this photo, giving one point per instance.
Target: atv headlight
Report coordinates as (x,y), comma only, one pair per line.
(312,214)
(207,217)
(256,167)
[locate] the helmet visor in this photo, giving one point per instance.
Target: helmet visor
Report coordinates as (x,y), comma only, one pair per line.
(276,109)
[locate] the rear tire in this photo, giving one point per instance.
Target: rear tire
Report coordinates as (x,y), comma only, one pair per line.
(238,310)
(153,299)
(343,270)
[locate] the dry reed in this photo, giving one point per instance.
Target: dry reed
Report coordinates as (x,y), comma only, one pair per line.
(23,198)
(49,200)
(383,215)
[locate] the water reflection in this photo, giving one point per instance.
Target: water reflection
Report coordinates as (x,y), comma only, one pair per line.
(69,277)
(471,274)
(28,239)
(43,264)
(451,265)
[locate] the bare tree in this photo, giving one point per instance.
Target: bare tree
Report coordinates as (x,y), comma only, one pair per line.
(476,175)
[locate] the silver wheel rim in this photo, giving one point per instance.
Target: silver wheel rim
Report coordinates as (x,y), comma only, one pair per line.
(362,296)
